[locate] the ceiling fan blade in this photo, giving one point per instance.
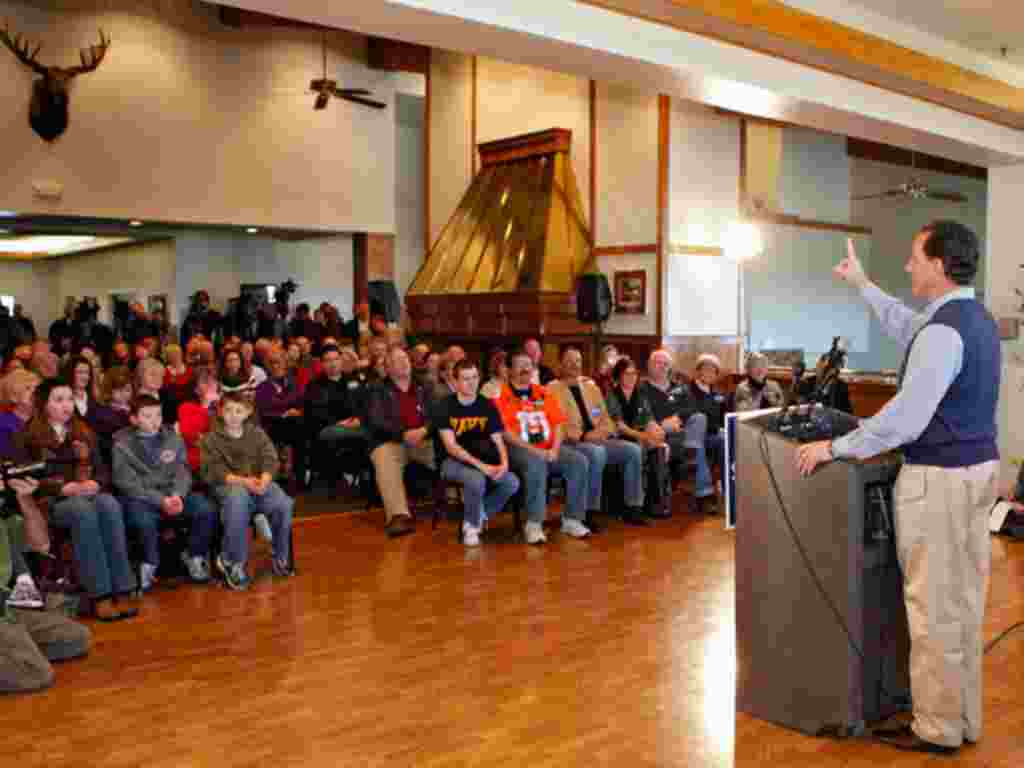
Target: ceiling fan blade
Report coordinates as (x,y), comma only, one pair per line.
(321,100)
(898,192)
(364,102)
(949,197)
(351,92)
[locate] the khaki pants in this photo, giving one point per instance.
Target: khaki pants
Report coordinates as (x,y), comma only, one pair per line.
(944,550)
(29,641)
(389,460)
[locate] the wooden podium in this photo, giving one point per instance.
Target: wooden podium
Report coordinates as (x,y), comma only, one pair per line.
(796,664)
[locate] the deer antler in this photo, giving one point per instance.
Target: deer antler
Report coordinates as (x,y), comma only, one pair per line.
(20,48)
(91,56)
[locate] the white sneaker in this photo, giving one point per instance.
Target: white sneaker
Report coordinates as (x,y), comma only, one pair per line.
(262,526)
(574,528)
(148,576)
(534,533)
(25,594)
(470,535)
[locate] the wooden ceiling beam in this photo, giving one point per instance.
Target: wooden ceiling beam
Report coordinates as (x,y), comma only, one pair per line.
(776,29)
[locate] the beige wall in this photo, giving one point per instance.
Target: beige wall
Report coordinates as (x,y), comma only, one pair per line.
(32,284)
(450,135)
(187,120)
(145,269)
(627,166)
(513,99)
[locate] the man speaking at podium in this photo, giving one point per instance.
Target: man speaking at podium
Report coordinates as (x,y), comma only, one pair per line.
(943,416)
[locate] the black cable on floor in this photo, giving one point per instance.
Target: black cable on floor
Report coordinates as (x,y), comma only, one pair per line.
(1002,636)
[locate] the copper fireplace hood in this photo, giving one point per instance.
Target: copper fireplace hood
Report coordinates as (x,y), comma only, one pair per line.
(507,261)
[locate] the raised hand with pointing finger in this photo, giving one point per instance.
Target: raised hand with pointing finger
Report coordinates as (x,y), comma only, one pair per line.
(850,268)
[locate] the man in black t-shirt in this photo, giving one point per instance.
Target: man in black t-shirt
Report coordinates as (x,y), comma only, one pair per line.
(471,432)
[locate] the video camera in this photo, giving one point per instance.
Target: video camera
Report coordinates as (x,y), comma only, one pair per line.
(10,470)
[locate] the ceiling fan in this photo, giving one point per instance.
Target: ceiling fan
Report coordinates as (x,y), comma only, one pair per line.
(915,189)
(324,88)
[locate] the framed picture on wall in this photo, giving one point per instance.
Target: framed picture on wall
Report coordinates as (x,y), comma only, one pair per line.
(630,289)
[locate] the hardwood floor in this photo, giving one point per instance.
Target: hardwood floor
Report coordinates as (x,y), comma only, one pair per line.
(614,651)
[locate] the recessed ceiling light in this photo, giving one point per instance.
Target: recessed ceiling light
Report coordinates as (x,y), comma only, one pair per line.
(252,230)
(135,223)
(7,214)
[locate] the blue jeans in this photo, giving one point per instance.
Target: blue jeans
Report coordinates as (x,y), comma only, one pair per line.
(145,518)
(98,541)
(629,456)
(697,437)
(571,464)
(238,505)
(479,503)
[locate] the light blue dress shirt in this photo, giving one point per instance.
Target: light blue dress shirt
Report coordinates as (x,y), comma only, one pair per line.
(936,357)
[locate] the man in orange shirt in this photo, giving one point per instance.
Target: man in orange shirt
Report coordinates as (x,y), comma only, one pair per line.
(533,432)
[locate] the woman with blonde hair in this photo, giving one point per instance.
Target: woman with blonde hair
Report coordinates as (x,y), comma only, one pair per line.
(17,404)
(178,377)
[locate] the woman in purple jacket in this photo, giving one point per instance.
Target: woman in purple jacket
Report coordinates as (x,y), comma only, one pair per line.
(279,406)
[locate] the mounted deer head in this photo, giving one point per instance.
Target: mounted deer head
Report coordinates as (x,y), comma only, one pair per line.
(48,112)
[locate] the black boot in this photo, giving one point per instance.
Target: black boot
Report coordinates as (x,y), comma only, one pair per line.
(634,516)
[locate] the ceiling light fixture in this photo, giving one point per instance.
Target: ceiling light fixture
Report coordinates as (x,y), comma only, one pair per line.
(8,215)
(252,230)
(135,223)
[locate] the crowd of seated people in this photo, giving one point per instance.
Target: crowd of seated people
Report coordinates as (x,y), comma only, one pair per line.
(217,439)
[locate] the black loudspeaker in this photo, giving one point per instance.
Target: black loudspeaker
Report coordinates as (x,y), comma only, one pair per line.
(593,298)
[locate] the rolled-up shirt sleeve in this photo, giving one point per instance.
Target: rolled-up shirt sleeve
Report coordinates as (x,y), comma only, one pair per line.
(935,360)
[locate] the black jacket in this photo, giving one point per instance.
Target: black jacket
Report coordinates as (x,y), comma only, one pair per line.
(676,401)
(711,404)
(327,402)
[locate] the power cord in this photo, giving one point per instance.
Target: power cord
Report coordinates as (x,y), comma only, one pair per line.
(1002,636)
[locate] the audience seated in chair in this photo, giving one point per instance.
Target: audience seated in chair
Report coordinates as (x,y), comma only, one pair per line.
(333,408)
(29,639)
(114,411)
(671,406)
(77,499)
(279,405)
(238,463)
(757,390)
(542,374)
(534,433)
(79,373)
(17,404)
(704,428)
(149,380)
(179,377)
(398,425)
(590,430)
(471,433)
(633,416)
(152,475)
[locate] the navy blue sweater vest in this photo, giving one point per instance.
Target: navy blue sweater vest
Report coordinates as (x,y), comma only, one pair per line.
(962,432)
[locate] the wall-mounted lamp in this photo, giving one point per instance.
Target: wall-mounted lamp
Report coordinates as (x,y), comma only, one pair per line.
(742,241)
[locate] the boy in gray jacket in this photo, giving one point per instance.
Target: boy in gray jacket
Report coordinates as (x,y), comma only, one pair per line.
(239,462)
(152,475)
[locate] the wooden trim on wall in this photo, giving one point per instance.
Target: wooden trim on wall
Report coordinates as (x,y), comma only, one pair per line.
(664,139)
(743,164)
(623,250)
(680,249)
(796,221)
(593,161)
(472,119)
(773,28)
(426,158)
